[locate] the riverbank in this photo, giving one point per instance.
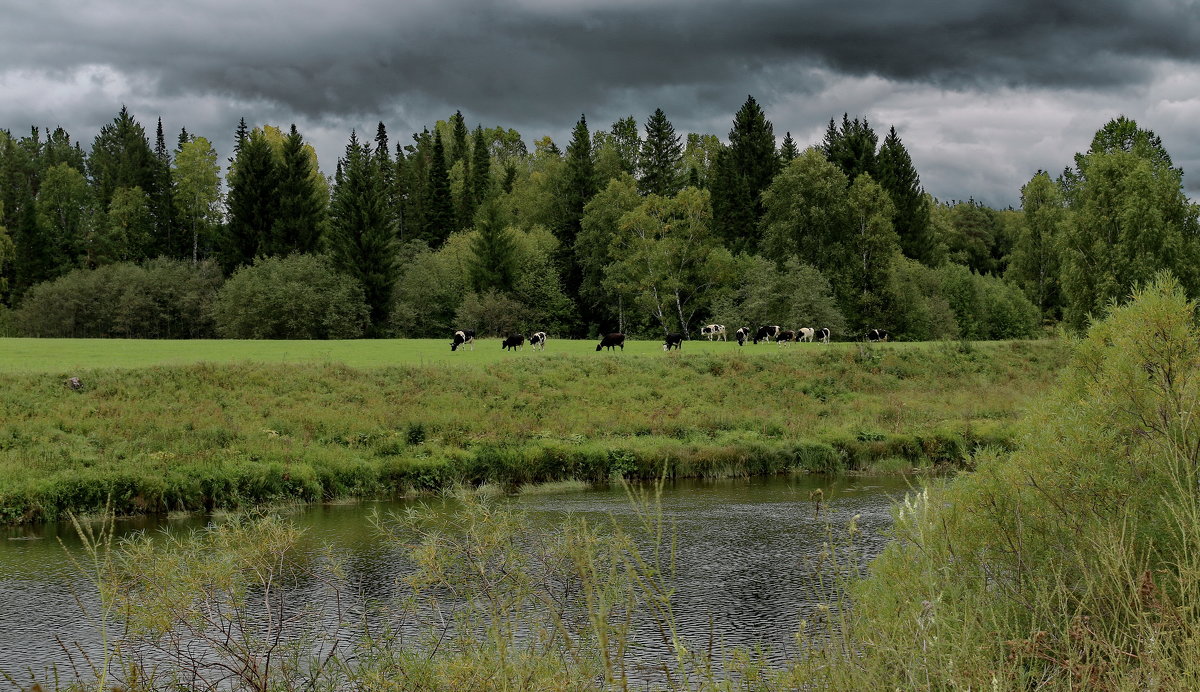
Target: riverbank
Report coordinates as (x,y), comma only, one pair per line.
(211,436)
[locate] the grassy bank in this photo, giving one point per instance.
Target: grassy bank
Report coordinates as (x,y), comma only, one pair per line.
(226,435)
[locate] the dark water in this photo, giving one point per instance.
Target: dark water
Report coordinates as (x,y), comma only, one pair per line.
(744,558)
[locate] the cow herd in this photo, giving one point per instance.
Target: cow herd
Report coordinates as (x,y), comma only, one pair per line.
(464,338)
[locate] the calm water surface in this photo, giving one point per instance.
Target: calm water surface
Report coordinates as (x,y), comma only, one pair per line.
(745,549)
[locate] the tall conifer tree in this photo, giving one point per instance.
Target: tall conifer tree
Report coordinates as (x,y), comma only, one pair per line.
(898,177)
(661,158)
(749,165)
(302,207)
(253,201)
(788,150)
(362,240)
(439,221)
(851,147)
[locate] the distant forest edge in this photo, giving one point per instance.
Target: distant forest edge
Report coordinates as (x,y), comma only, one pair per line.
(632,228)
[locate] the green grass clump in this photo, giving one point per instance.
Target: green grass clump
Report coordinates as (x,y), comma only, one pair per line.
(209,435)
(1070,563)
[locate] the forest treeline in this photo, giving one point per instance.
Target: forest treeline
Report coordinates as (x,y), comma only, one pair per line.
(633,228)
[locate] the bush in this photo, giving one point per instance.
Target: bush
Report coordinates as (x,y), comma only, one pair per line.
(167,299)
(1068,564)
(493,314)
(294,297)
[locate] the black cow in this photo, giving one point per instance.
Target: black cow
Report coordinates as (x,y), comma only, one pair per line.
(611,340)
(822,334)
(877,335)
(743,335)
(767,333)
(785,336)
(537,340)
(513,342)
(463,337)
(674,340)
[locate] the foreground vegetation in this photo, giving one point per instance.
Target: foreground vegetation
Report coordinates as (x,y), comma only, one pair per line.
(206,435)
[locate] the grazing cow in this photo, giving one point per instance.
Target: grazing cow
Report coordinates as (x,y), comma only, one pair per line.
(611,340)
(674,340)
(823,334)
(742,335)
(712,331)
(537,340)
(806,334)
(877,335)
(785,336)
(513,342)
(767,333)
(463,337)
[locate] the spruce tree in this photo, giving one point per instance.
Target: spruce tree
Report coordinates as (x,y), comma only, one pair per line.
(898,177)
(580,186)
(481,169)
(459,149)
(168,238)
(302,207)
(851,147)
(401,185)
(788,151)
(253,202)
(362,240)
(751,163)
(386,170)
(661,158)
(439,220)
(121,157)
(494,252)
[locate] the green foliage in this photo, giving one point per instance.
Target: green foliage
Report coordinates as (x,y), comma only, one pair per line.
(125,233)
(7,253)
(798,295)
(293,297)
(743,171)
(1068,563)
(659,164)
(493,265)
(867,251)
(439,215)
(252,205)
(974,235)
(362,240)
(166,299)
(121,157)
(65,219)
(303,204)
(805,212)
(493,313)
(1035,263)
(851,147)
(593,247)
(1129,219)
(898,177)
(667,258)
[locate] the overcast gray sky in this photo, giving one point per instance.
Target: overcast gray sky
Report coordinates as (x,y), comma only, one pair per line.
(982,92)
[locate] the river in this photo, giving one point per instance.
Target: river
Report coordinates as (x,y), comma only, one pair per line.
(744,556)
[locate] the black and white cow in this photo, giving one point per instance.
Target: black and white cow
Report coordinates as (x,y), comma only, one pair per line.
(742,335)
(537,340)
(674,340)
(463,337)
(806,334)
(785,336)
(713,331)
(611,340)
(822,334)
(877,335)
(513,342)
(767,333)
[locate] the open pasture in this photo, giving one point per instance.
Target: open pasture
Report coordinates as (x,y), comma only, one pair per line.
(162,426)
(67,356)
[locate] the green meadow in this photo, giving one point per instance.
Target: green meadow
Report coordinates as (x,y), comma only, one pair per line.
(163,426)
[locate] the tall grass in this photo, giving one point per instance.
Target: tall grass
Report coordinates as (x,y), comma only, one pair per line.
(1071,563)
(223,436)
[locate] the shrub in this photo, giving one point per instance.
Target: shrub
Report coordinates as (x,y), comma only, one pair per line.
(163,298)
(294,297)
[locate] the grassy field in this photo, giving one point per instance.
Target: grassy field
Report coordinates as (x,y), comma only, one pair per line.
(163,426)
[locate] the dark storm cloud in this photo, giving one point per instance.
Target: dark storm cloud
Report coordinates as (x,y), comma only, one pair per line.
(530,62)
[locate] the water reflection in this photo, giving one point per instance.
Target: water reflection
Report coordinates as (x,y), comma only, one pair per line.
(743,561)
